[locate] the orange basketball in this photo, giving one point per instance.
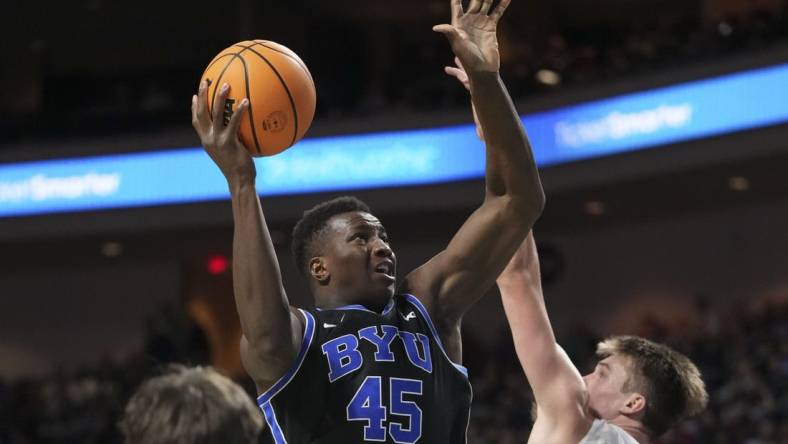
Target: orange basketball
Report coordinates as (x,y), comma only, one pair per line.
(279,87)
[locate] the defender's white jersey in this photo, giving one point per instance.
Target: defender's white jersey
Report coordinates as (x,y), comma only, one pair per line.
(603,432)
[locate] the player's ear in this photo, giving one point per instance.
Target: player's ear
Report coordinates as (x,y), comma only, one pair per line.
(318,270)
(636,403)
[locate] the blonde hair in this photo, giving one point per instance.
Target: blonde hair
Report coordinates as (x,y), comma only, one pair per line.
(195,405)
(669,381)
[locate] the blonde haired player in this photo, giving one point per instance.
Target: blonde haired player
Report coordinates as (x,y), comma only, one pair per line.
(637,391)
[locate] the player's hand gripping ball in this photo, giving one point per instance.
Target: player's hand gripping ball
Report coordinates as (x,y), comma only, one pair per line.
(279,87)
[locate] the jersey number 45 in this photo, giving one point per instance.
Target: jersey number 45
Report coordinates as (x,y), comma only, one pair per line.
(367,405)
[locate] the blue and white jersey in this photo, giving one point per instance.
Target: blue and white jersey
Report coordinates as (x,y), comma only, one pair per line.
(362,376)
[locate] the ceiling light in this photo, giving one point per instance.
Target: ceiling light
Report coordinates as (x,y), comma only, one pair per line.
(112,249)
(738,183)
(595,208)
(548,77)
(725,29)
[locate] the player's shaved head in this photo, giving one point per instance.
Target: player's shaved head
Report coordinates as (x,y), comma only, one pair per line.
(307,232)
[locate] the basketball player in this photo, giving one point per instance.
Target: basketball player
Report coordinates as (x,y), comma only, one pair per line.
(367,365)
(638,390)
(190,405)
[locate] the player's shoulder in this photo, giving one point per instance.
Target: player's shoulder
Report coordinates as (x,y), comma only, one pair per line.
(301,315)
(421,284)
(408,303)
(406,298)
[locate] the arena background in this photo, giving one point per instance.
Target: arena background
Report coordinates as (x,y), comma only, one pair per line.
(680,241)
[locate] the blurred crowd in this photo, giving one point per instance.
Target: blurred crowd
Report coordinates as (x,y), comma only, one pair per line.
(84,406)
(533,63)
(743,354)
(398,68)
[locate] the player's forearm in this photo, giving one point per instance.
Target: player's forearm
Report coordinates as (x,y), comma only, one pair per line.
(550,373)
(511,169)
(555,381)
(259,295)
(527,318)
(523,302)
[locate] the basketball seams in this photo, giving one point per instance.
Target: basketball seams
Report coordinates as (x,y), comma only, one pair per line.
(213,62)
(218,82)
(221,74)
(290,56)
(251,116)
(275,49)
(287,90)
(213,95)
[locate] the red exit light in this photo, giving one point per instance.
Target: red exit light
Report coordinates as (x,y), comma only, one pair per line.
(218,264)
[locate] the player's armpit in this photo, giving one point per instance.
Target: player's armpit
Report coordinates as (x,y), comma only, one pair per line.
(560,385)
(563,428)
(562,400)
(266,363)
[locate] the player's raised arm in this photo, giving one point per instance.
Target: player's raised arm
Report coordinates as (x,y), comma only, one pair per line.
(271,329)
(467,268)
(557,385)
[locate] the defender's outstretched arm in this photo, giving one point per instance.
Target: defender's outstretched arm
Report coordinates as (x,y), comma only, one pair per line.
(557,385)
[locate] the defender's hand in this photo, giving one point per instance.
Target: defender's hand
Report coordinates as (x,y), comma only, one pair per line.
(472,34)
(221,142)
(459,73)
